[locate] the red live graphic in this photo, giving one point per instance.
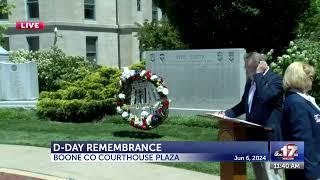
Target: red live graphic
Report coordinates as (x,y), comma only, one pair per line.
(28,25)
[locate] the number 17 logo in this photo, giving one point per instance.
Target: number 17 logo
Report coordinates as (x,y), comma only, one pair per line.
(289,151)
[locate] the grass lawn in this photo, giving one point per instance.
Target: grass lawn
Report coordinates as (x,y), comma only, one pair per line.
(24,127)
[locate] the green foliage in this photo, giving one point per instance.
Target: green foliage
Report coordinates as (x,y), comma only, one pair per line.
(54,66)
(159,35)
(139,66)
(75,110)
(304,48)
(192,121)
(86,99)
(254,25)
(310,28)
(301,50)
(4,9)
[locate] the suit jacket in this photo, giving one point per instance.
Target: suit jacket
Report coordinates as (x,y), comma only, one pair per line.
(266,108)
(301,122)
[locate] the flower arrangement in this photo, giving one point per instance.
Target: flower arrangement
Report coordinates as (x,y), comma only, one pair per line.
(301,51)
(145,120)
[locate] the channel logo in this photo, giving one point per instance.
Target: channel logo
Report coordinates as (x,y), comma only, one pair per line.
(30,25)
(283,151)
(287,152)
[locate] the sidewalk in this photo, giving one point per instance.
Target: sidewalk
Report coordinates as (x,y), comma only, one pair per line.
(35,162)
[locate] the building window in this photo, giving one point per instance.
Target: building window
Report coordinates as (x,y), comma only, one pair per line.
(33,43)
(89,9)
(154,12)
(5,43)
(91,48)
(33,8)
(3,16)
(138,5)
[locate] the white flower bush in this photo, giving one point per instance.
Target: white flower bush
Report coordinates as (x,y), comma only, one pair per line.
(301,50)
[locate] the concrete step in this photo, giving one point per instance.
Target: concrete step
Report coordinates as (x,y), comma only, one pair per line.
(18,104)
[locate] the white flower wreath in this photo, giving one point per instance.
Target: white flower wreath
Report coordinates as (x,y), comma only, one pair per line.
(145,120)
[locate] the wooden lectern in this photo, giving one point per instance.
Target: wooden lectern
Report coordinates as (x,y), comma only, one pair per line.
(232,129)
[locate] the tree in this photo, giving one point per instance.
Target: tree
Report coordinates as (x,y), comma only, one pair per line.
(254,25)
(5,10)
(159,35)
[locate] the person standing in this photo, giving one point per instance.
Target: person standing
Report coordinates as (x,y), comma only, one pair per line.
(301,119)
(262,103)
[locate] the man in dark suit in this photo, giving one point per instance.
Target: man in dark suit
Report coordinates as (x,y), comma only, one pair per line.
(262,103)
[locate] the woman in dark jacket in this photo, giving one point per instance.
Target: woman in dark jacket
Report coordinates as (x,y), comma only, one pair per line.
(302,119)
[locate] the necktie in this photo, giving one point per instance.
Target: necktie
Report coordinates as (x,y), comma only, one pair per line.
(251,94)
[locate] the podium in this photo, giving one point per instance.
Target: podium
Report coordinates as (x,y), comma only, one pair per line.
(232,129)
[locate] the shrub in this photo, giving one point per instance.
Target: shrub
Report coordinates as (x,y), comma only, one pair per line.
(159,35)
(5,8)
(54,66)
(309,27)
(301,50)
(139,66)
(84,100)
(75,110)
(305,47)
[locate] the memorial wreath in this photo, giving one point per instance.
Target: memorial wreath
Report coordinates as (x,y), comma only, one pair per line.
(160,109)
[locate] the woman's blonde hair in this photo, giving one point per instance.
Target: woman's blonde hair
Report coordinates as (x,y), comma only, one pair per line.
(298,75)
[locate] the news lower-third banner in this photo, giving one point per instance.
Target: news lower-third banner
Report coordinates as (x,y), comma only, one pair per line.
(227,151)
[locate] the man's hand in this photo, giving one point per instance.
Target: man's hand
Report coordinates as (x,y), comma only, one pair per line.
(262,67)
